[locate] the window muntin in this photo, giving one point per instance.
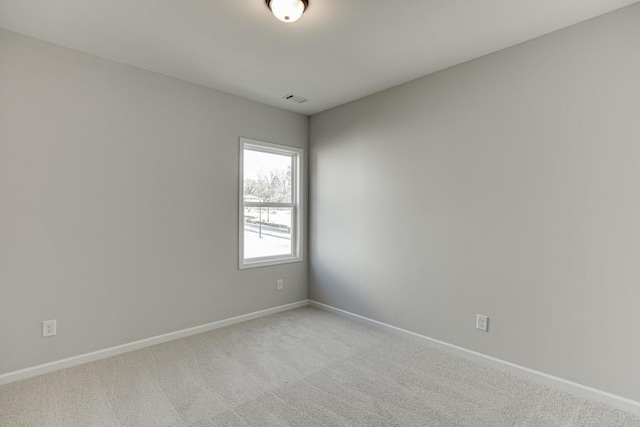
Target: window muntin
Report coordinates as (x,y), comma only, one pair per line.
(270,211)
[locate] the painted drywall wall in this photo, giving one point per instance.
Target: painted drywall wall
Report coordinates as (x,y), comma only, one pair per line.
(507,186)
(119,203)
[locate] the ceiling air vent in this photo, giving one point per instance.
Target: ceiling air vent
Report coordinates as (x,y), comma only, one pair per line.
(295,98)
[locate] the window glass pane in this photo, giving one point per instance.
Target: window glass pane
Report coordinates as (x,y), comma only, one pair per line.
(267,232)
(267,177)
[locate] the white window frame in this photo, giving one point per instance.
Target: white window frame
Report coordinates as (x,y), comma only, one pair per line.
(296,205)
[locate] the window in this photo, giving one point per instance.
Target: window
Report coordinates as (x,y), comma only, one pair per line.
(270,208)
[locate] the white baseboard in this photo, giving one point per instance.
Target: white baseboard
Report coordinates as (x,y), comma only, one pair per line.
(574,388)
(136,345)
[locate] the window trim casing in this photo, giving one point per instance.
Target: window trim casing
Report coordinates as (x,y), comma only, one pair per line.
(297,226)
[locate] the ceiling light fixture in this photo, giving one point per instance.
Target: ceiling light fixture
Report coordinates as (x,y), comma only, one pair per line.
(287,10)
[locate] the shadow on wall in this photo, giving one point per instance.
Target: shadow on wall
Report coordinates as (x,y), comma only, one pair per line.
(334,284)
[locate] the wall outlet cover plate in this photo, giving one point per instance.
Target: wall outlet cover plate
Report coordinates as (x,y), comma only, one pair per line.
(482,323)
(49,328)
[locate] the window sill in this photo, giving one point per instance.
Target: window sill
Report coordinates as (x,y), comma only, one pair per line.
(268,262)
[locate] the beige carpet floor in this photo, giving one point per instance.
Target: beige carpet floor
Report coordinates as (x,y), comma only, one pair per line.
(304,367)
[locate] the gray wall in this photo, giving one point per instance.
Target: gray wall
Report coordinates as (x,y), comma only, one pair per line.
(119,203)
(507,186)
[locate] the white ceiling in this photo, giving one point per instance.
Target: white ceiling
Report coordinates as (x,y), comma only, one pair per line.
(340,50)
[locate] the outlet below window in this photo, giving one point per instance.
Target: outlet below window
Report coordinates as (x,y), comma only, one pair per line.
(49,328)
(482,323)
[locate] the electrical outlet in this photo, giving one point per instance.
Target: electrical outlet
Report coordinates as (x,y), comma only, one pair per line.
(280,284)
(482,323)
(49,328)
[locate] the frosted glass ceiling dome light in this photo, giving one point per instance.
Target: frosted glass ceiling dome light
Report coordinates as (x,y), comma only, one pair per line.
(288,10)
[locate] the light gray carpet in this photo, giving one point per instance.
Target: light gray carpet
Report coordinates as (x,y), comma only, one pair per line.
(304,368)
